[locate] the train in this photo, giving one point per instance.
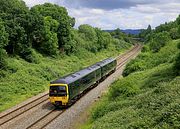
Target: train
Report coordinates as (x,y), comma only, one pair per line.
(65,90)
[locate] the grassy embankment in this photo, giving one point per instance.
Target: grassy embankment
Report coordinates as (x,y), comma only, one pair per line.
(147,98)
(24,79)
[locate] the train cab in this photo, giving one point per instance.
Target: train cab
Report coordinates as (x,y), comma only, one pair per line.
(58,94)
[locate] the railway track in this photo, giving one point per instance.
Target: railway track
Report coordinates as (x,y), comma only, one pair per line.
(20,110)
(122,61)
(46,119)
(124,54)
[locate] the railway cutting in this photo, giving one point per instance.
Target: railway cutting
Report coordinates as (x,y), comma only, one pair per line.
(44,114)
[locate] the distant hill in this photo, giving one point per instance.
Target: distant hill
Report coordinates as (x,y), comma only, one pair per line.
(131,31)
(128,31)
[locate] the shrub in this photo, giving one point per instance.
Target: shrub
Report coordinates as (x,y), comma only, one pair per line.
(145,48)
(159,40)
(177,62)
(155,107)
(3,55)
(134,65)
(31,56)
(147,60)
(124,88)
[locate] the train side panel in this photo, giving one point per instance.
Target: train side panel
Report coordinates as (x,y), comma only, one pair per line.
(106,69)
(77,87)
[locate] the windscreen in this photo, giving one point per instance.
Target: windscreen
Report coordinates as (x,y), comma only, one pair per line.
(57,91)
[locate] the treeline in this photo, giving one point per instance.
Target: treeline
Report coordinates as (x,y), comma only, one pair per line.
(163,33)
(154,40)
(47,29)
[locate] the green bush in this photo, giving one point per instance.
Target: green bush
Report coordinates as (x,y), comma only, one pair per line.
(149,97)
(150,107)
(30,55)
(145,48)
(132,66)
(124,88)
(3,62)
(177,62)
(159,40)
(148,60)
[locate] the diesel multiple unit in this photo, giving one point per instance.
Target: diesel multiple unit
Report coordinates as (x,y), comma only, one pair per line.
(67,88)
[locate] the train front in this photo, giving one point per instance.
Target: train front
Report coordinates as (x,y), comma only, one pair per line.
(58,94)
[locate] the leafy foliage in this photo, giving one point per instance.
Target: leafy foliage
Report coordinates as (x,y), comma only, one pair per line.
(159,40)
(47,29)
(148,59)
(60,15)
(157,49)
(177,62)
(155,105)
(147,98)
(49,44)
(3,43)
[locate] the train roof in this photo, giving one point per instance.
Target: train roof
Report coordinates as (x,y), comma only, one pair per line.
(105,62)
(77,75)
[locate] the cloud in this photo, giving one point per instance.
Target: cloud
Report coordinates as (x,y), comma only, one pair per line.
(135,17)
(104,4)
(111,4)
(111,14)
(31,3)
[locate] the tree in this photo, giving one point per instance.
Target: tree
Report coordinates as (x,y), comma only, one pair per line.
(174,33)
(72,22)
(3,43)
(3,35)
(146,34)
(13,13)
(89,32)
(49,43)
(118,34)
(117,31)
(159,40)
(17,38)
(13,7)
(149,29)
(60,14)
(104,38)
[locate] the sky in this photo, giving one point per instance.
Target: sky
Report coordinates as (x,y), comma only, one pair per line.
(123,14)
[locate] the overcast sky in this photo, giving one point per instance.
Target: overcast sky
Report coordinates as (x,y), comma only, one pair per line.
(123,14)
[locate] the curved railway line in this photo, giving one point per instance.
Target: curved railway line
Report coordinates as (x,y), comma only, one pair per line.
(46,119)
(20,110)
(43,121)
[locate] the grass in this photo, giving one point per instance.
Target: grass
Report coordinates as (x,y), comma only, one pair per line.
(147,98)
(23,80)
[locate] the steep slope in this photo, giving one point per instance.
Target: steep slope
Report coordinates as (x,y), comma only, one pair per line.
(147,98)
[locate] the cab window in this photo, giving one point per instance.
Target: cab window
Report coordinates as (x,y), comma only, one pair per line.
(58,91)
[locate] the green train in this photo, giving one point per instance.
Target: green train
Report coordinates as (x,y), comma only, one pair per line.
(66,89)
